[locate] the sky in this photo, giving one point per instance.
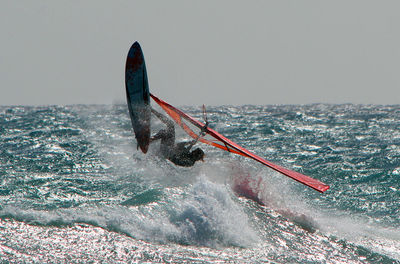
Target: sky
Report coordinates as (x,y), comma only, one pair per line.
(213,52)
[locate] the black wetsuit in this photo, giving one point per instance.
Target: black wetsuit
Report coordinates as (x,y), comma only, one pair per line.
(180,153)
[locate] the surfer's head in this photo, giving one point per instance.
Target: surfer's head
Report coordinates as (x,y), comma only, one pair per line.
(197,154)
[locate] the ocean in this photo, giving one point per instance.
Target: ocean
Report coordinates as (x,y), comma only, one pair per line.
(75,189)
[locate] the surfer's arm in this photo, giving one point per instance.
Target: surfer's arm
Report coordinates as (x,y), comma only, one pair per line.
(157,136)
(202,133)
(187,144)
(163,118)
(191,143)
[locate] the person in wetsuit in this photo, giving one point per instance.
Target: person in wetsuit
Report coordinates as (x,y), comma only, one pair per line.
(179,153)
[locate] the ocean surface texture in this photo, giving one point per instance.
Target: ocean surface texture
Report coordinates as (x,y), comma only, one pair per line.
(74,188)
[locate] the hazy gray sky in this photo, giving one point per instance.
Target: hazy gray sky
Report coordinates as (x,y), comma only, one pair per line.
(210,51)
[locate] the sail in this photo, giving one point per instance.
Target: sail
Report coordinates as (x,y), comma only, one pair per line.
(226,144)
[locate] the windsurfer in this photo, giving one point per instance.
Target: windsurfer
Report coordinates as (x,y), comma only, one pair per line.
(179,153)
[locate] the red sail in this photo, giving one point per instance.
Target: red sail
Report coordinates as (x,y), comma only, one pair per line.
(231,146)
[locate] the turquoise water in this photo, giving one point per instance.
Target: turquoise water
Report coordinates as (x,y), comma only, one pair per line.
(75,189)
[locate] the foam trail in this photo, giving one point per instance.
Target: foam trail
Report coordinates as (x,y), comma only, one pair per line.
(360,231)
(205,214)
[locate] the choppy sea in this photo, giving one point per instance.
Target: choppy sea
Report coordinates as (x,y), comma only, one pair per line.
(74,188)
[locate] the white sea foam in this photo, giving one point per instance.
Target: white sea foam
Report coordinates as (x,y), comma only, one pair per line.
(204,214)
(362,232)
